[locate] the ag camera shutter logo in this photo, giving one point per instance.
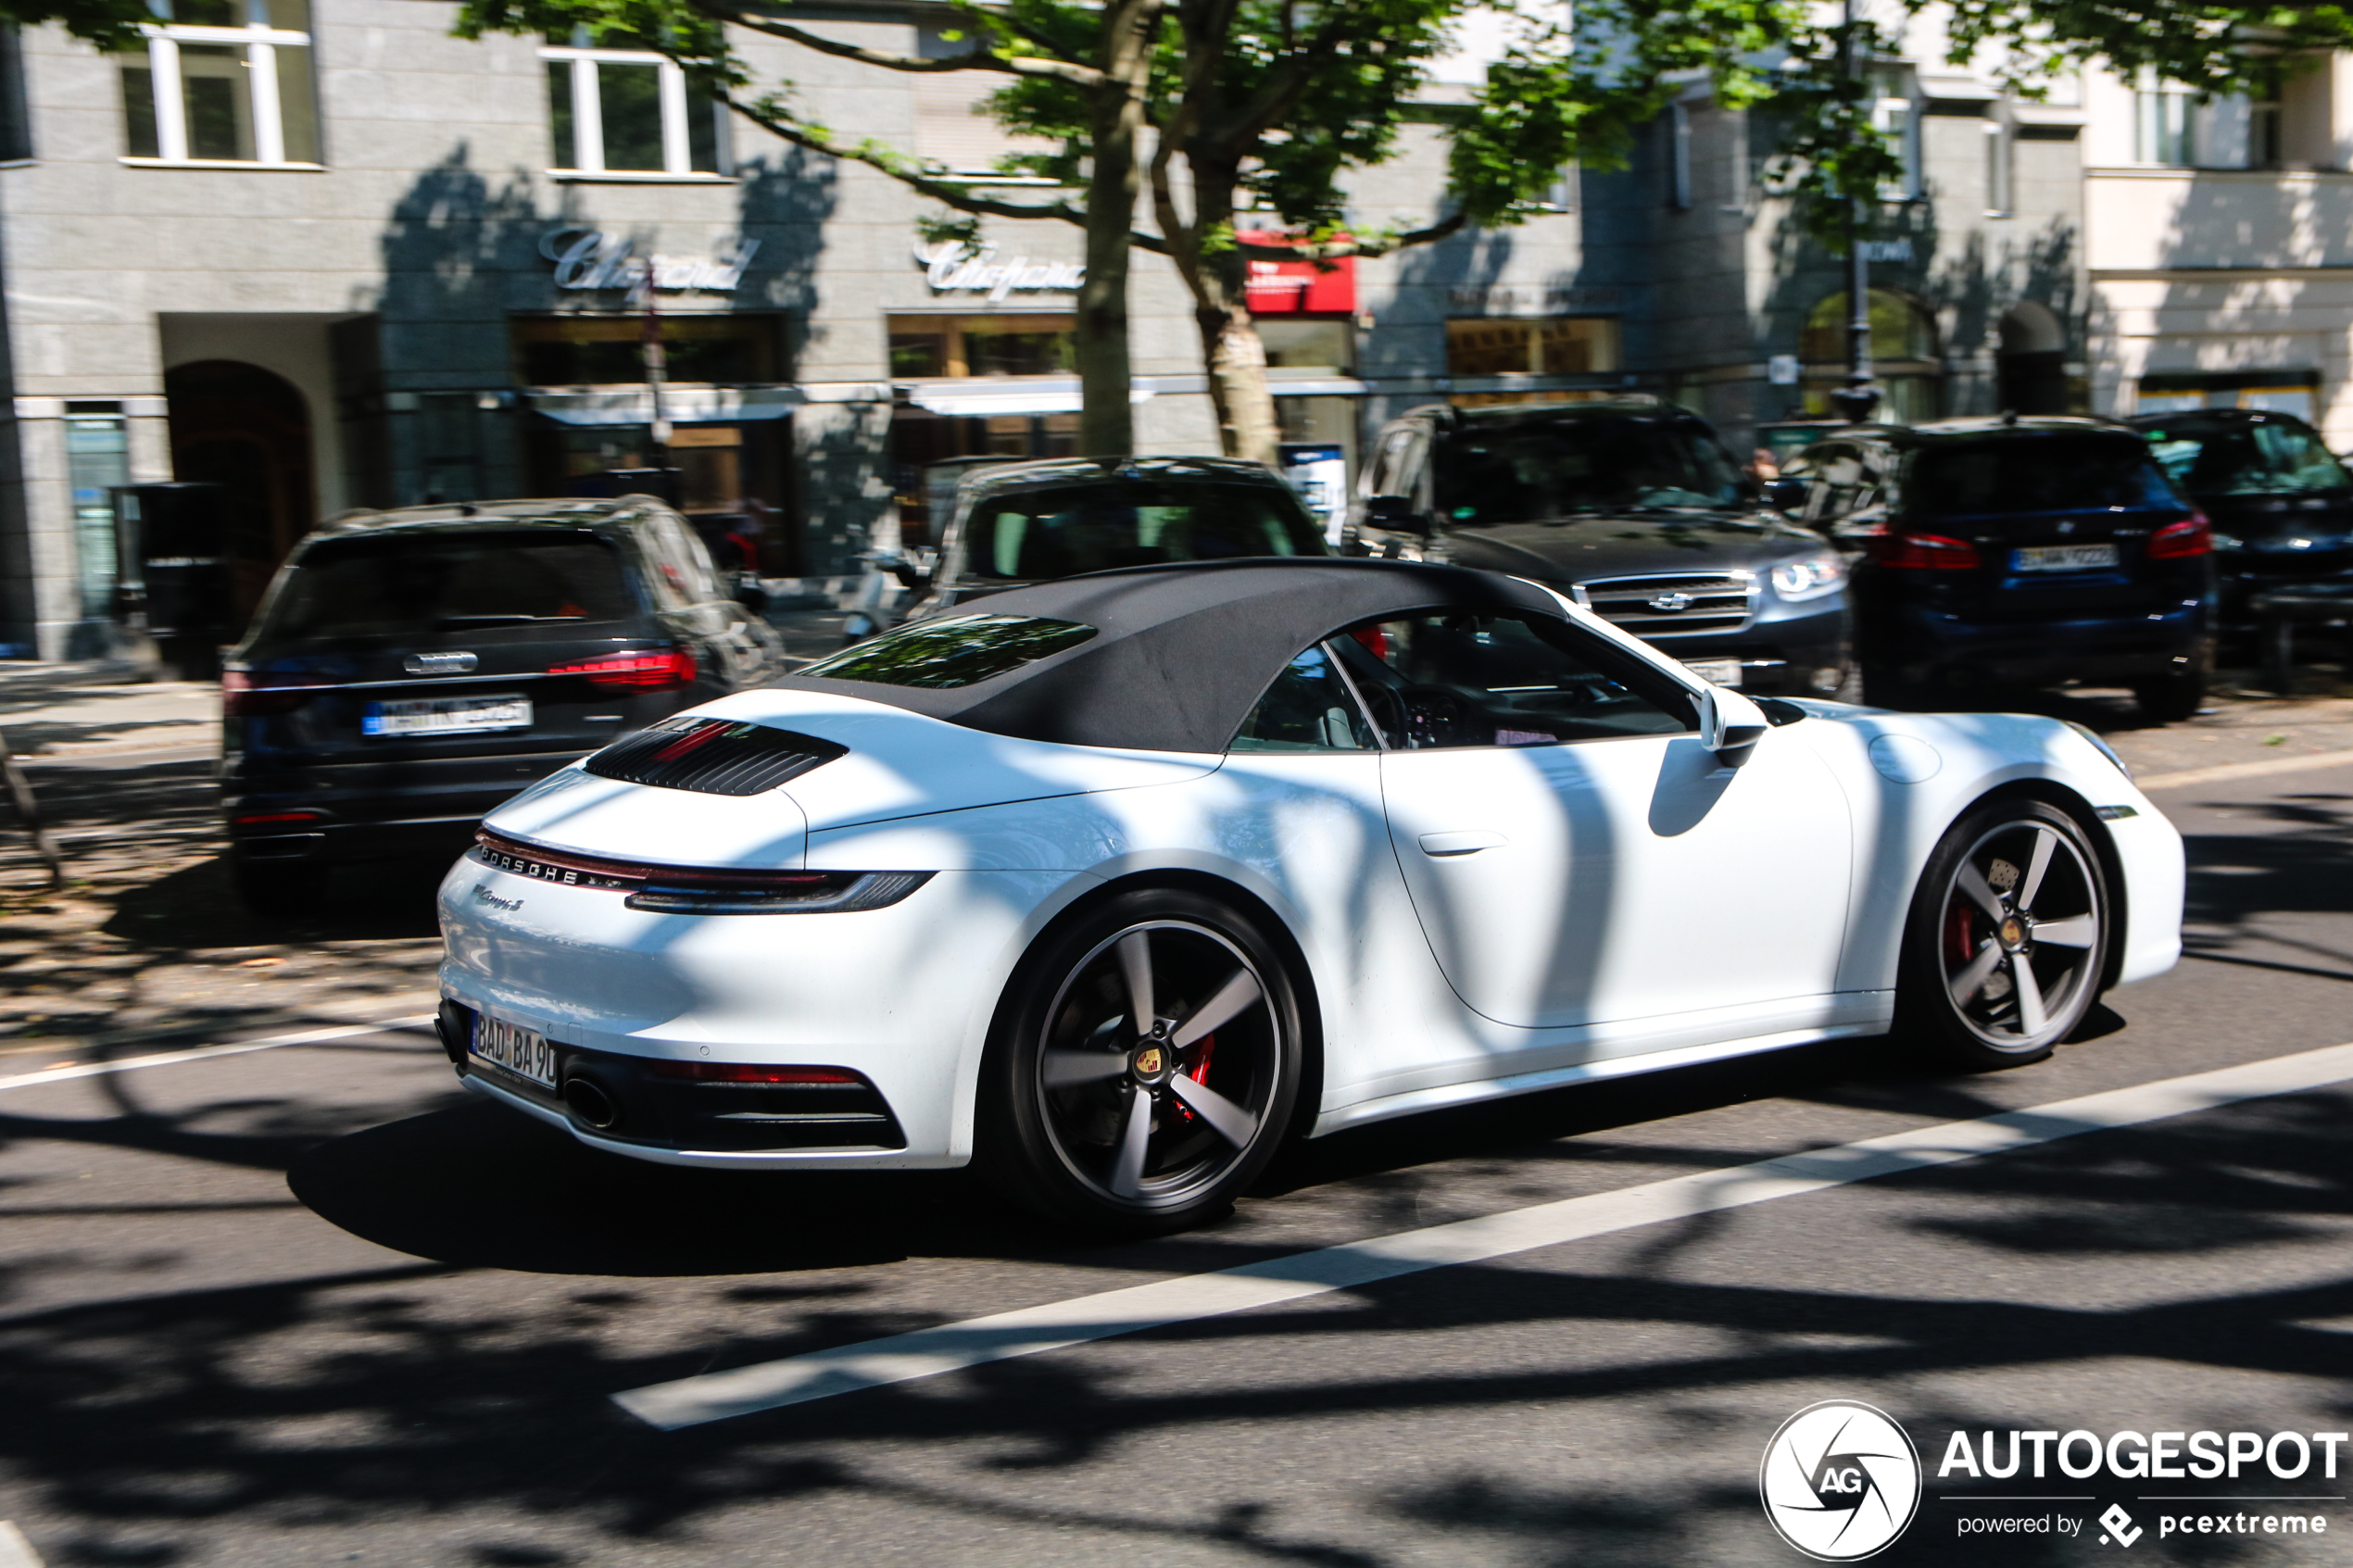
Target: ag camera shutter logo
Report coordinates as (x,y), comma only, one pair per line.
(1839,1481)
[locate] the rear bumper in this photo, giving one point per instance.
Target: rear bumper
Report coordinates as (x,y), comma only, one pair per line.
(332,813)
(1922,642)
(902,995)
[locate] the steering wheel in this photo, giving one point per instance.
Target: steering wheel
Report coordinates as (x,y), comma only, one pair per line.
(1438,716)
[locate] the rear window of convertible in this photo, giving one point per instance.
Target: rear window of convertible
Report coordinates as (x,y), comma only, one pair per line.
(960,650)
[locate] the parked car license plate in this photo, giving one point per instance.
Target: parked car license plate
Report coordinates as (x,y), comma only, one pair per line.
(523,1052)
(446,716)
(1716,672)
(2063,557)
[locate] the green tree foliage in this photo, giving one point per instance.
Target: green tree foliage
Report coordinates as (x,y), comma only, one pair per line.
(1262,112)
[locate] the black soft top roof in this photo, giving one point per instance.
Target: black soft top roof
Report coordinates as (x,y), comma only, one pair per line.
(1181,652)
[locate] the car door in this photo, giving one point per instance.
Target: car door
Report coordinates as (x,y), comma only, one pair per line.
(1577,856)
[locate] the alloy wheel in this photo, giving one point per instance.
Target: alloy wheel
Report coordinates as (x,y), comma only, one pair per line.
(2019,941)
(1158,1063)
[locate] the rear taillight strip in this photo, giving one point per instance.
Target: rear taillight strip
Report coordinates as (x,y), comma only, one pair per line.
(700,890)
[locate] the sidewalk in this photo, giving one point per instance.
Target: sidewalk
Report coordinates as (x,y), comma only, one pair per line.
(61,711)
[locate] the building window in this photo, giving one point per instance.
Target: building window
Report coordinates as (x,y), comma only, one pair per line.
(1561,346)
(1894,116)
(737,349)
(16,120)
(2164,127)
(1679,156)
(1997,169)
(923,347)
(629,111)
(222,81)
(97,462)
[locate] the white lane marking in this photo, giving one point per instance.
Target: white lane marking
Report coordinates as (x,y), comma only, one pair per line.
(2242,770)
(15,1550)
(199,1053)
(951,1347)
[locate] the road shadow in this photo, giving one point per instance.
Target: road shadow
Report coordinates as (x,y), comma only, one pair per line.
(482,1186)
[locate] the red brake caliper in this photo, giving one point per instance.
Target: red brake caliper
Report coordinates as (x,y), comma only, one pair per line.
(1199,1073)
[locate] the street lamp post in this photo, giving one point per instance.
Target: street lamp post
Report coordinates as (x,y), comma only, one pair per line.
(1856,400)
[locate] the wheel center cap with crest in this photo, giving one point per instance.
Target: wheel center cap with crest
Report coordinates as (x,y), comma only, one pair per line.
(1150,1062)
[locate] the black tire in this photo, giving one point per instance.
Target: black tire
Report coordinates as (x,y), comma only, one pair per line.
(1998,970)
(2169,699)
(286,888)
(1079,1115)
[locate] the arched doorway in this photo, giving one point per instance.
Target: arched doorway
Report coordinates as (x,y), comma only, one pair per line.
(246,430)
(1903,356)
(2030,373)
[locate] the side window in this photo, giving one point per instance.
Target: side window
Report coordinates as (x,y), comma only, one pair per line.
(1453,678)
(1309,708)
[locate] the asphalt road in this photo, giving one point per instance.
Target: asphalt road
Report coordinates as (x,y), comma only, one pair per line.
(311,1303)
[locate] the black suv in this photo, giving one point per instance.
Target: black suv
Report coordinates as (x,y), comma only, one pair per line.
(2016,552)
(2282,507)
(410,670)
(1632,507)
(1017,523)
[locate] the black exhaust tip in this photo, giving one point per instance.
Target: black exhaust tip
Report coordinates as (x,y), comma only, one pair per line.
(587,1101)
(454,1024)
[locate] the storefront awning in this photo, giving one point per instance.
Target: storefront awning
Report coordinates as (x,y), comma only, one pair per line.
(1028,395)
(697,404)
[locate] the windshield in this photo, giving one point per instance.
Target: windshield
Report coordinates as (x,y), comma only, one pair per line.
(2035,474)
(2272,458)
(1032,536)
(416,584)
(1544,472)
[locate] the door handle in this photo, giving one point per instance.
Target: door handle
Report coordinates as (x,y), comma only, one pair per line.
(1440,845)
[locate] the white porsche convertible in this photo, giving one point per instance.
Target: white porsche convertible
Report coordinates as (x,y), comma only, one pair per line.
(1113,884)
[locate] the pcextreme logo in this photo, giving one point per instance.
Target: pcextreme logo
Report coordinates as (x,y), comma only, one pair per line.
(1839,1481)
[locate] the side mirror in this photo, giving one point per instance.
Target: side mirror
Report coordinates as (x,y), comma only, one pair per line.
(1395,512)
(1788,495)
(1730,726)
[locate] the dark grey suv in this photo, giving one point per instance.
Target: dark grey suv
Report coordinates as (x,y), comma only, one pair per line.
(1018,524)
(409,671)
(1632,507)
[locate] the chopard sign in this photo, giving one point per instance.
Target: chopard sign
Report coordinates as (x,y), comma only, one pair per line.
(591,258)
(954,268)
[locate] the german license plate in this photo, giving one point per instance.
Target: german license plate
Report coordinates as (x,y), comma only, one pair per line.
(1715,671)
(446,716)
(512,1049)
(2063,557)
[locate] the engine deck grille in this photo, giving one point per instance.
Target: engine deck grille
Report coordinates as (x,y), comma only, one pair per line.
(712,757)
(1682,603)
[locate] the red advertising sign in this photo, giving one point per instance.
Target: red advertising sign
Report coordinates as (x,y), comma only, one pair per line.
(1299,288)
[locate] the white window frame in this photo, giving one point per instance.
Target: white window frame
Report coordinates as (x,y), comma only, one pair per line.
(2153,103)
(1898,118)
(261,42)
(588,147)
(2001,170)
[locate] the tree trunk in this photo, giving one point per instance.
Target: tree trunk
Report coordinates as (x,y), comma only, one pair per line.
(1231,350)
(1236,359)
(1106,420)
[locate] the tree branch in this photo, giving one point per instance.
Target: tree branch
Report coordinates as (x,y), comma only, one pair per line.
(1368,247)
(974,60)
(946,191)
